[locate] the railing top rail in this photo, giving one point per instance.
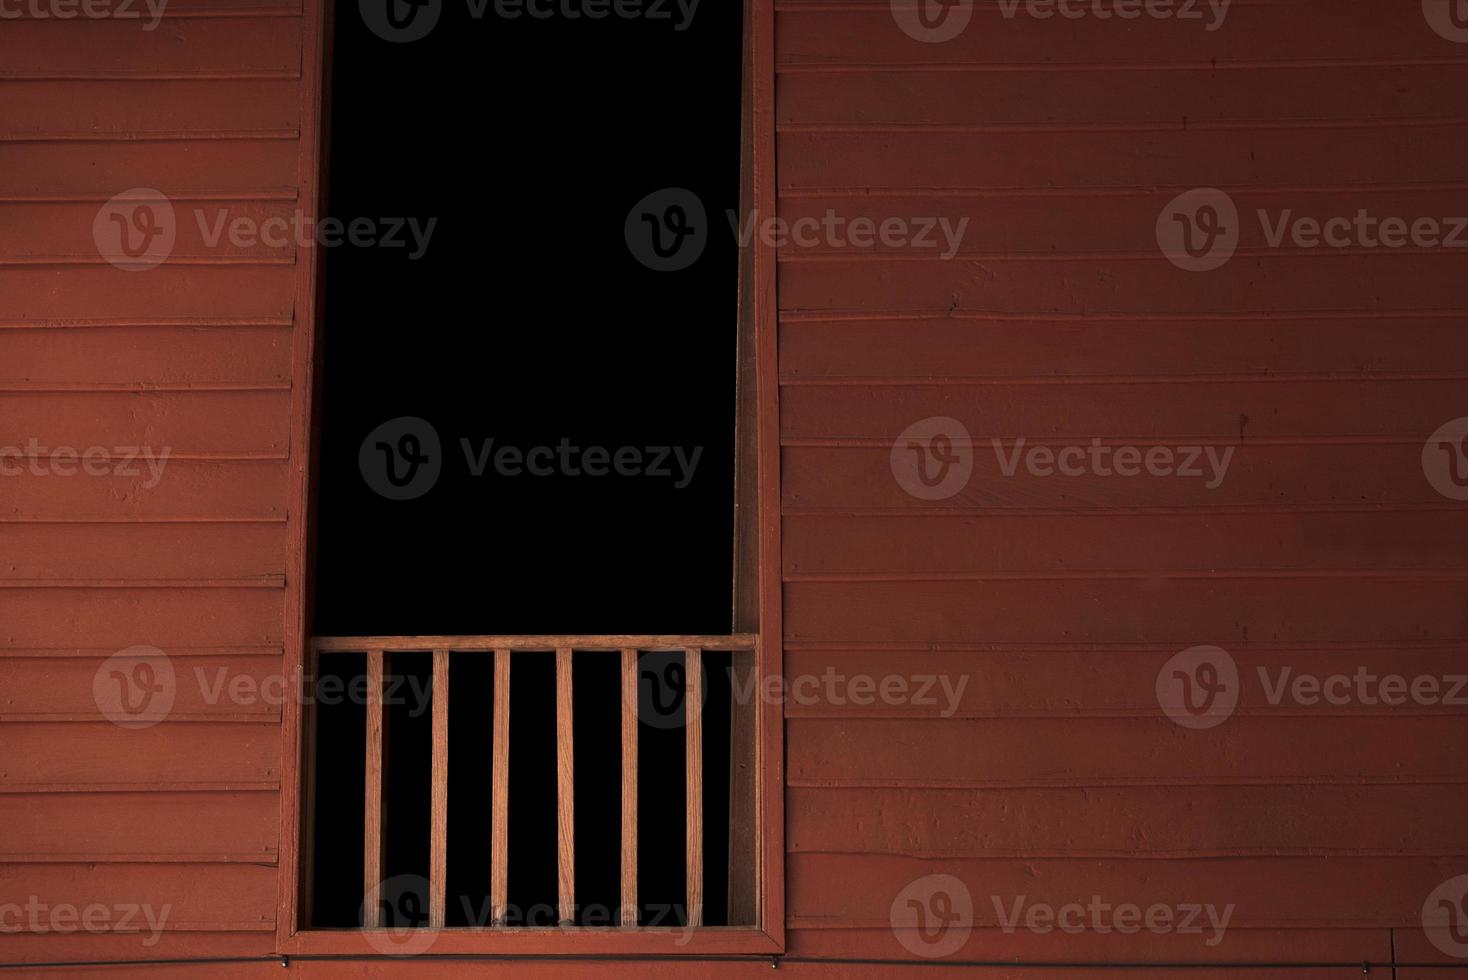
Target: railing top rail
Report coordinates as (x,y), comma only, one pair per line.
(542,644)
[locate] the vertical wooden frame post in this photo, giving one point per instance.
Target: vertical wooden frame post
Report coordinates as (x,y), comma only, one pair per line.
(693,754)
(439,808)
(565,789)
(372,816)
(499,840)
(628,916)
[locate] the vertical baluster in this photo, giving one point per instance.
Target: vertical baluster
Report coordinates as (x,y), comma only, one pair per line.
(628,915)
(693,721)
(372,823)
(500,791)
(439,829)
(565,788)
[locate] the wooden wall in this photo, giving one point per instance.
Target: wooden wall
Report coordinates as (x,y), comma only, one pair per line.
(1060,598)
(1058,777)
(196,356)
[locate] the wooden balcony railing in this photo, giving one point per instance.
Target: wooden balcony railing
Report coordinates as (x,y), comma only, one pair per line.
(564,648)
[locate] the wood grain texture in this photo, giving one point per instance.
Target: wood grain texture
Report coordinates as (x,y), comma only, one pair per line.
(372,822)
(565,788)
(629,911)
(744,779)
(1057,141)
(612,643)
(140,826)
(499,859)
(439,793)
(693,696)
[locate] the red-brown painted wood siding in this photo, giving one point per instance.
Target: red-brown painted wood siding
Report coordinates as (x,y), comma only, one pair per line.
(194,356)
(1060,320)
(1057,776)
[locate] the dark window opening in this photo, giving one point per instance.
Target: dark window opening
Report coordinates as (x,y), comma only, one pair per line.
(527,425)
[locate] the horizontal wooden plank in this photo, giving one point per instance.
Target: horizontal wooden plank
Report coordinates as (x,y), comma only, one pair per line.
(183,422)
(1279,282)
(1234,410)
(1416,946)
(205,230)
(223,45)
(865,33)
(140,827)
(39,294)
(582,643)
(1040,347)
(166,756)
(1068,679)
(245,687)
(1225,544)
(435,967)
(1291,476)
(146,552)
(218,168)
(1002,753)
(145,355)
(1185,613)
(1181,158)
(186,490)
(82,947)
(1116,97)
(1035,225)
(49,109)
(119,618)
(1321,893)
(191,9)
(1354,946)
(1132,821)
(214,897)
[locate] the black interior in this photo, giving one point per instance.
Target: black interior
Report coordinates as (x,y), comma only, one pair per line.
(527,320)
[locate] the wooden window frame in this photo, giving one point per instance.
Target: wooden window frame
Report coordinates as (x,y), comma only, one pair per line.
(757,553)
